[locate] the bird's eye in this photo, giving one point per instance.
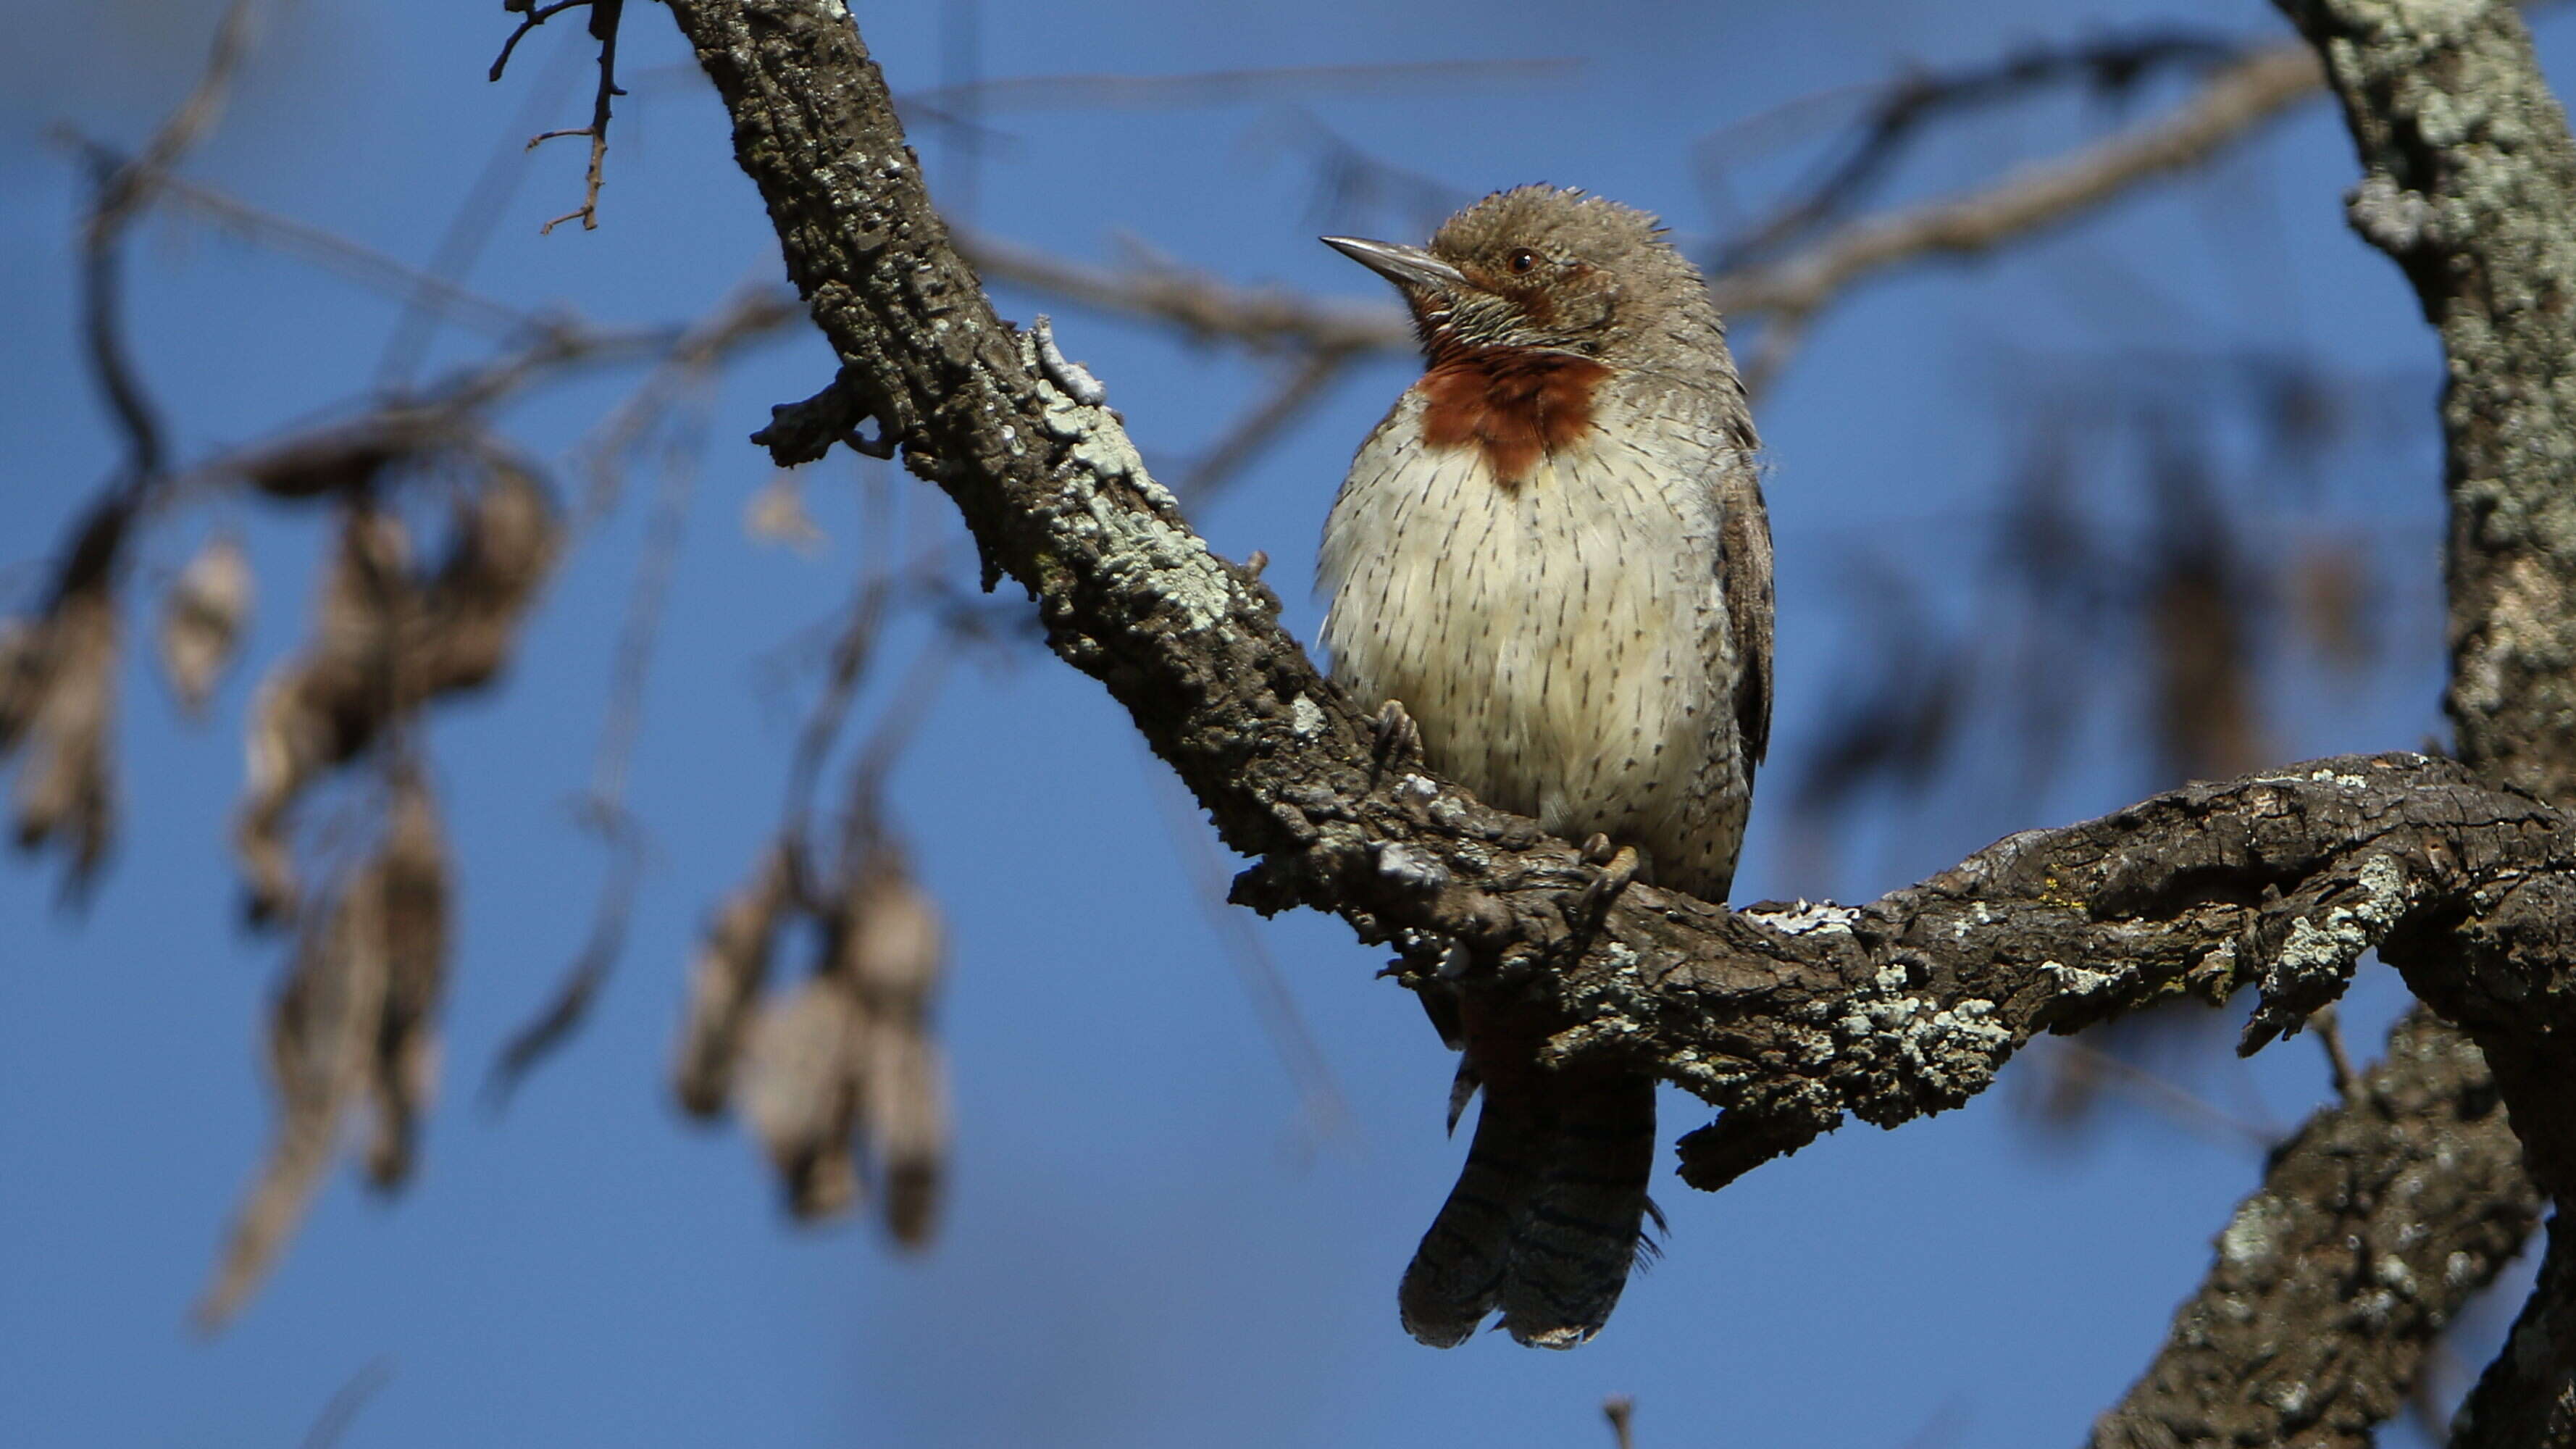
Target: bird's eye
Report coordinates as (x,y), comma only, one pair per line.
(1523,261)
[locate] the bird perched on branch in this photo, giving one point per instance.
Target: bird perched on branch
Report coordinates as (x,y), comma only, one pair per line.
(1550,564)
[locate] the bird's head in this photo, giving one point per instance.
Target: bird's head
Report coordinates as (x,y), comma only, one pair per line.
(1547,269)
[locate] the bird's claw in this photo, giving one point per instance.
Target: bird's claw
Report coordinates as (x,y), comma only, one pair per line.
(1397,735)
(1612,871)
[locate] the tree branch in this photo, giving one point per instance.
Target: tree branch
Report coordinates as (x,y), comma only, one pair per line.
(1788,1016)
(2373,1227)
(2469,183)
(2236,99)
(2234,102)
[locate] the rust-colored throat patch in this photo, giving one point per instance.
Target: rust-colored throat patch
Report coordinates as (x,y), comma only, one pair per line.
(1517,404)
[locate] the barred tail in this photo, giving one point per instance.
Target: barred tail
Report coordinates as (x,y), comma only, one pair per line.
(1457,1275)
(1548,1214)
(1584,1227)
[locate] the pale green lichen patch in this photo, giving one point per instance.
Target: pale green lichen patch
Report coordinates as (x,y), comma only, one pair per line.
(1945,1053)
(2077,981)
(2251,1235)
(1806,916)
(2332,943)
(1145,553)
(1305,718)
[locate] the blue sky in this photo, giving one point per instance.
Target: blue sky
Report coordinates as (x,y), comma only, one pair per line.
(1146,1243)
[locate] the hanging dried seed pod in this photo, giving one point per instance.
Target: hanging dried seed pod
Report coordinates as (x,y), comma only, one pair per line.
(891,937)
(903,1092)
(60,702)
(889,943)
(800,1093)
(201,620)
(405,1062)
(321,708)
(724,986)
(322,1040)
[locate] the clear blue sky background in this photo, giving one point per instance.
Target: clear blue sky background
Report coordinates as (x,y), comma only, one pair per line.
(1146,1245)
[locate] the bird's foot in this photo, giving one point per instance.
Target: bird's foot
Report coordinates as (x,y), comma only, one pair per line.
(1613,867)
(1398,737)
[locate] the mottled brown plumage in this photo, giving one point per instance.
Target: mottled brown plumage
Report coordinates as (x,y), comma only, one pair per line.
(1553,554)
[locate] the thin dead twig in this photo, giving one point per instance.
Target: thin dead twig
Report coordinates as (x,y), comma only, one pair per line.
(1266,422)
(1198,304)
(1902,112)
(477,217)
(342,1410)
(122,192)
(1220,87)
(1620,1409)
(2237,99)
(603,808)
(1319,1093)
(604,18)
(361,264)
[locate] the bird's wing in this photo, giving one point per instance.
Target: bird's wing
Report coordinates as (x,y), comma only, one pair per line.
(1744,579)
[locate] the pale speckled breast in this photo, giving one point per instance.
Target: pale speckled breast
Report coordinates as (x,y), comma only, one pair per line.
(1562,644)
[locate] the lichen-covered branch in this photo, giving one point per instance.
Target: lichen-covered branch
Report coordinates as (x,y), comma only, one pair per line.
(2469,184)
(2373,1226)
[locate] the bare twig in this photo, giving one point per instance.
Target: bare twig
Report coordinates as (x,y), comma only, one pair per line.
(603,808)
(329,250)
(604,18)
(2328,1025)
(530,21)
(122,192)
(1266,422)
(754,312)
(1619,1409)
(477,217)
(1223,87)
(2237,98)
(2183,1105)
(342,1410)
(1903,110)
(1327,1111)
(1199,305)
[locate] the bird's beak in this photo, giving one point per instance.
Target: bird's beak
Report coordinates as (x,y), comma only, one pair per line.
(1408,267)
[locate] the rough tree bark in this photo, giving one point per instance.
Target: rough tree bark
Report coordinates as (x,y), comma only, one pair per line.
(1785,1016)
(2469,184)
(2373,1225)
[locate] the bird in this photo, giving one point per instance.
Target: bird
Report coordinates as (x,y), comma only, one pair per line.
(1549,571)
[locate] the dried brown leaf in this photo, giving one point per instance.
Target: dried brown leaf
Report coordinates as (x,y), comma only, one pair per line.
(347,460)
(201,620)
(777,514)
(322,1039)
(385,644)
(507,539)
(724,986)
